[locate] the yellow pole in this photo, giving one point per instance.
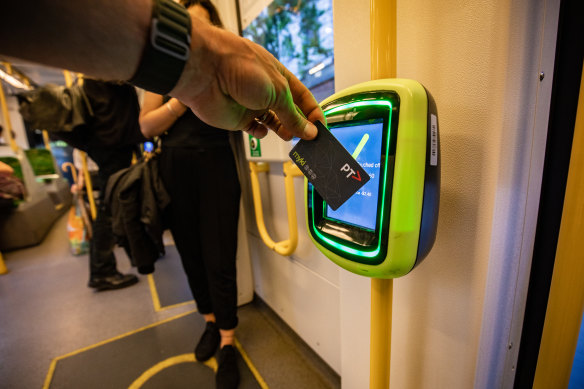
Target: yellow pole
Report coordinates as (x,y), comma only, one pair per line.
(566,299)
(383,65)
(88,186)
(8,134)
(86,175)
(3,268)
(46,140)
(8,130)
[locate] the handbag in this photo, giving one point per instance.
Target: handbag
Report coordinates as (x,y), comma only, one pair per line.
(79,226)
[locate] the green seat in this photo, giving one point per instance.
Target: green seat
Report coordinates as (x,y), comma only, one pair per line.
(14,163)
(42,163)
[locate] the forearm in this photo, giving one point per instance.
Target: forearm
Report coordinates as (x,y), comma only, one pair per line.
(153,122)
(104,39)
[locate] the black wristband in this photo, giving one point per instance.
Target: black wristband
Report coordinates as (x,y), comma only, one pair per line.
(167,49)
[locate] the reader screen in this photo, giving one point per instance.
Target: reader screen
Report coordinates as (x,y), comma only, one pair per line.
(361,209)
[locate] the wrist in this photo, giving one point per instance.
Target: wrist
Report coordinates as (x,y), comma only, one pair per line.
(167,48)
(200,67)
(177,109)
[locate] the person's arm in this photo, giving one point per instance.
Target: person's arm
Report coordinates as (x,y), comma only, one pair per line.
(156,117)
(5,169)
(104,39)
(227,81)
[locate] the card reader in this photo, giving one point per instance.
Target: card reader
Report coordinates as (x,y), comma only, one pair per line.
(384,230)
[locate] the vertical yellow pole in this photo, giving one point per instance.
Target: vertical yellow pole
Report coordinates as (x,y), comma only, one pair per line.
(86,175)
(566,299)
(8,130)
(46,140)
(3,268)
(8,134)
(383,65)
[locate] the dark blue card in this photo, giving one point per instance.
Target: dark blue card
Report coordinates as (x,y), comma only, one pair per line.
(327,165)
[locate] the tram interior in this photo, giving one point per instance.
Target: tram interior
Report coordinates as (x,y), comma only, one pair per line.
(303,321)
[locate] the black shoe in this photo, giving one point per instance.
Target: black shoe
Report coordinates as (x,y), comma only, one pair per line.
(227,376)
(208,343)
(116,281)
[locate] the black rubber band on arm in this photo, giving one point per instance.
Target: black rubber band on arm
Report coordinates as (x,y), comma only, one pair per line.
(167,49)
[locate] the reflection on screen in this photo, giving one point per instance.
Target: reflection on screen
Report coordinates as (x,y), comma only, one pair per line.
(361,209)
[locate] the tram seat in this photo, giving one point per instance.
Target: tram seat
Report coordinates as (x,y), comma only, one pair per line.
(48,173)
(29,223)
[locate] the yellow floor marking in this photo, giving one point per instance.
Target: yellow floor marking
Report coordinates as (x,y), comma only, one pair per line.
(54,361)
(156,299)
(251,366)
(154,293)
(184,358)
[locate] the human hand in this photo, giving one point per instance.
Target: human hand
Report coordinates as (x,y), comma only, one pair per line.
(228,81)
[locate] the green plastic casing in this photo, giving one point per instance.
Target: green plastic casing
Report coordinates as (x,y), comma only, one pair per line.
(409,191)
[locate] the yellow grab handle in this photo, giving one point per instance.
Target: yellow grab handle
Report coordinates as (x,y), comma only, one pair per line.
(71,167)
(285,247)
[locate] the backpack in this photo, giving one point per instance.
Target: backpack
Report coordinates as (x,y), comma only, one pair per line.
(55,107)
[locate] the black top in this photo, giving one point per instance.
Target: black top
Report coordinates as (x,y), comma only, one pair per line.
(190,131)
(114,122)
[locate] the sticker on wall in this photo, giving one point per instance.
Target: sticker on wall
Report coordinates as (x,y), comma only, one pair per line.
(433,140)
(255,148)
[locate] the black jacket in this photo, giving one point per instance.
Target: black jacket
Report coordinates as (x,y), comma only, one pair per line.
(137,199)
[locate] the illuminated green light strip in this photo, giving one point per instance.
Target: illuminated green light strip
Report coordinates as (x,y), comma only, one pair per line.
(359,104)
(340,246)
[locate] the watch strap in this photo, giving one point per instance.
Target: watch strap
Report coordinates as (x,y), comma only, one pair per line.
(167,48)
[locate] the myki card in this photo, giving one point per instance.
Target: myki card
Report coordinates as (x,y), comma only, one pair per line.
(335,174)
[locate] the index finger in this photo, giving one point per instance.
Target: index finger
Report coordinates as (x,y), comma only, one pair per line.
(304,100)
(292,95)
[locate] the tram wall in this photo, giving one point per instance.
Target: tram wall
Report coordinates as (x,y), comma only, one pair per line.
(478,59)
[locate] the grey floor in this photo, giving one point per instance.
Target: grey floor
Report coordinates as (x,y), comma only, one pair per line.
(47,311)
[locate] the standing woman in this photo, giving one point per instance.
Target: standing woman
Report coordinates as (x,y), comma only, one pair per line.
(199,172)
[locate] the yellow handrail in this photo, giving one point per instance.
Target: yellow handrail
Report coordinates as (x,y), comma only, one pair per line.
(285,247)
(71,167)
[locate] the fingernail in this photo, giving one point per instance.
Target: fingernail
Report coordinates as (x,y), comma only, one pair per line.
(310,130)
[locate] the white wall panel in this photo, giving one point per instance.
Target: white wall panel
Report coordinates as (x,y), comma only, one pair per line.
(307,302)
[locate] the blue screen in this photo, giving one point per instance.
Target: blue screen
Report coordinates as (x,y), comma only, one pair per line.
(361,209)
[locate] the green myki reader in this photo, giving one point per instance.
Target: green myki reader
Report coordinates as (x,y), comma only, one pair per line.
(384,230)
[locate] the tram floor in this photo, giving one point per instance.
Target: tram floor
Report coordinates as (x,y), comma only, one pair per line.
(52,325)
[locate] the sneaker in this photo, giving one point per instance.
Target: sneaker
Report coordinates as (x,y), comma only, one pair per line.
(208,343)
(227,376)
(116,281)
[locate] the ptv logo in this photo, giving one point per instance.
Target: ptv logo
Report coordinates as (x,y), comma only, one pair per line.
(354,175)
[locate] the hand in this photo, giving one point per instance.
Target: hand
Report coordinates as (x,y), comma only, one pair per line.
(228,81)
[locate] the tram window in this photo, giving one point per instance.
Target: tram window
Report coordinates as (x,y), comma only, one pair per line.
(300,35)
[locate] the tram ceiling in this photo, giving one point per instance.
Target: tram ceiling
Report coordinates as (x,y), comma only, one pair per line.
(37,74)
